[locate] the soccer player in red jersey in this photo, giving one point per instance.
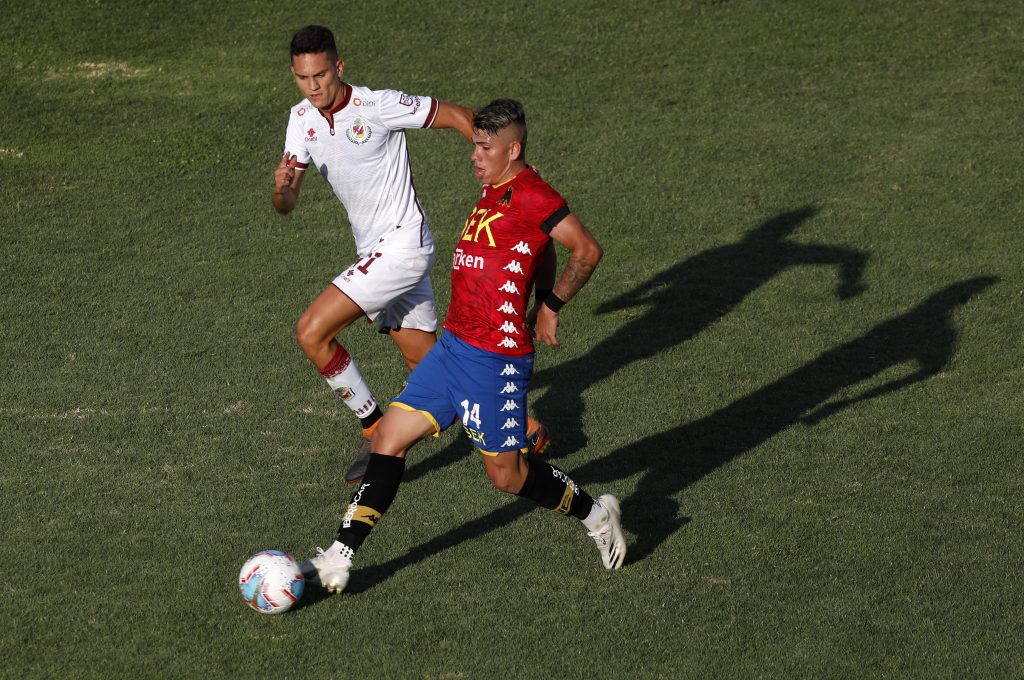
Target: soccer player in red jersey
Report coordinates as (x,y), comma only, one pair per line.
(479,370)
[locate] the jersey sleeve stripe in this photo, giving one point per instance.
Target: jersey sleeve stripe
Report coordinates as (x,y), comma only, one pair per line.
(432,114)
(556,217)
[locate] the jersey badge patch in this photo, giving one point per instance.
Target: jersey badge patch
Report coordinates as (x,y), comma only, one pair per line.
(410,100)
(359,131)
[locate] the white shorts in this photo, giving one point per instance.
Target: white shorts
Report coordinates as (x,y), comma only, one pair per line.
(393,288)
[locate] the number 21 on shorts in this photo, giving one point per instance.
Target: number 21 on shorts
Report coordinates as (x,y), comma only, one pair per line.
(370,259)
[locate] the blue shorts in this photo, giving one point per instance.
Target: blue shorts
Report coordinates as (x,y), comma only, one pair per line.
(485,390)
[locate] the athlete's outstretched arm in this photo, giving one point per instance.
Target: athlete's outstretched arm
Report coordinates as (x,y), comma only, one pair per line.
(454,116)
(584,254)
(287,180)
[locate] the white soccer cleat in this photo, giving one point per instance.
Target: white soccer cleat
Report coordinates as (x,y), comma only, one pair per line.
(608,536)
(328,572)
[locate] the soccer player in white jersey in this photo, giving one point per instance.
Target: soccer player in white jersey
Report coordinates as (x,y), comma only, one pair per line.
(355,138)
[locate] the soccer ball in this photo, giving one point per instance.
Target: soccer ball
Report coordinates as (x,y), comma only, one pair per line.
(271,582)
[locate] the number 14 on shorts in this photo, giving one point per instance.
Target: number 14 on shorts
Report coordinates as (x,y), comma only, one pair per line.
(471,423)
(470,415)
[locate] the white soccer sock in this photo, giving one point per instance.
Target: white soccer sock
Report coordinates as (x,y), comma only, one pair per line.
(339,552)
(597,518)
(347,382)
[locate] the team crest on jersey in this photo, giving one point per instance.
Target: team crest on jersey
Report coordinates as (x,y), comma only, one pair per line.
(409,100)
(506,198)
(359,131)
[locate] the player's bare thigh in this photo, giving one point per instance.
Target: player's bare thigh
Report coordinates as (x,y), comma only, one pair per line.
(399,429)
(413,344)
(328,314)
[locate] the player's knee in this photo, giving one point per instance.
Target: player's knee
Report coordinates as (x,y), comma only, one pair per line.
(390,438)
(307,335)
(505,479)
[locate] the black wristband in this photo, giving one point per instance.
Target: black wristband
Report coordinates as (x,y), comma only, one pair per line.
(540,294)
(554,302)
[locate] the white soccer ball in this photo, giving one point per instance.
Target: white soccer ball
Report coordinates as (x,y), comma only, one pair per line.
(271,582)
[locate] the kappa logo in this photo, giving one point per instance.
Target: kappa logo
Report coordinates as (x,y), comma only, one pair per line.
(509,287)
(506,198)
(510,370)
(311,135)
(507,308)
(509,388)
(510,441)
(514,267)
(509,327)
(507,342)
(359,131)
(523,248)
(509,423)
(509,406)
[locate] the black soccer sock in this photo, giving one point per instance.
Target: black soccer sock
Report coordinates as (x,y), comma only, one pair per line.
(371,419)
(371,499)
(550,488)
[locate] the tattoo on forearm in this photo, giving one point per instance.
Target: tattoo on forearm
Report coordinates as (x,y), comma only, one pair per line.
(577,272)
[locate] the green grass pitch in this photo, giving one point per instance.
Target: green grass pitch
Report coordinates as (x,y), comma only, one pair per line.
(799,365)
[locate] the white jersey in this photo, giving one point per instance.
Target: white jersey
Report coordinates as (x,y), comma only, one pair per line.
(360,150)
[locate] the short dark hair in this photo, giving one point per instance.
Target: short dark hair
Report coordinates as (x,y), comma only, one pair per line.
(314,40)
(500,114)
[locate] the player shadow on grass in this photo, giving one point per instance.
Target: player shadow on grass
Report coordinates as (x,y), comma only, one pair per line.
(678,304)
(673,460)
